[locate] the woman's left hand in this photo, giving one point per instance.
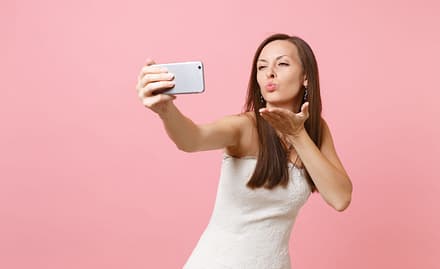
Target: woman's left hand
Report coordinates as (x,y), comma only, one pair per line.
(285,121)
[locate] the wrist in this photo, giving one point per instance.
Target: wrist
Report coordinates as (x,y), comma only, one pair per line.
(297,138)
(166,110)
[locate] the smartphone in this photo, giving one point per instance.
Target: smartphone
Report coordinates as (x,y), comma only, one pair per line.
(188,77)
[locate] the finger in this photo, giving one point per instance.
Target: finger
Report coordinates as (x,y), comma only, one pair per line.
(274,123)
(149,61)
(263,109)
(156,99)
(267,119)
(304,110)
(305,106)
(271,118)
(153,69)
(153,87)
(276,109)
(148,78)
(274,115)
(282,113)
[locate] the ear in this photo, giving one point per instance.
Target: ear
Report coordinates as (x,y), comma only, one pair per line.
(305,83)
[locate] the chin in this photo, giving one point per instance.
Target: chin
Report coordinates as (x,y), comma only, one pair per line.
(281,102)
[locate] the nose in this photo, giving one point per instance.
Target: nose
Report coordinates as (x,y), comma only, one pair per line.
(270,72)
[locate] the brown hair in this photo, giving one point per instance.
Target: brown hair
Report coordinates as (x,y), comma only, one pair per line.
(272,163)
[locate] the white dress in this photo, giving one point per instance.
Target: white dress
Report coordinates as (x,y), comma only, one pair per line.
(249,229)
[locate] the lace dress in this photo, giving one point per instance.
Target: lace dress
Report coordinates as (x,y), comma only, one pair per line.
(249,229)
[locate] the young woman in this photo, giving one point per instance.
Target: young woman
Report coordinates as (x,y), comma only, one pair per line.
(276,153)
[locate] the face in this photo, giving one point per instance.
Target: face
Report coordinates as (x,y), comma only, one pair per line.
(280,74)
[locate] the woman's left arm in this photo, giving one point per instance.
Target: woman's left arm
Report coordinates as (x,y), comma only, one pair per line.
(324,167)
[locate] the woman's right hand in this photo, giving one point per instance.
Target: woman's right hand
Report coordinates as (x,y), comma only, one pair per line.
(151,81)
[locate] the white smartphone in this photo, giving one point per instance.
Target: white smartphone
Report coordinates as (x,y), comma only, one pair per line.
(188,77)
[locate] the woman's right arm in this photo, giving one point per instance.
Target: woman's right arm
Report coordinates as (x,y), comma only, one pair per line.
(187,135)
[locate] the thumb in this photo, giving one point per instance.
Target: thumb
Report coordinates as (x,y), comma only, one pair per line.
(305,109)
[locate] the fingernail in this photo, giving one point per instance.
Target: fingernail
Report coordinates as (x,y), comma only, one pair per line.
(164,69)
(170,75)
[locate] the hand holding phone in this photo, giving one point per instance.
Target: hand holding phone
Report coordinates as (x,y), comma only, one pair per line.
(151,80)
(170,79)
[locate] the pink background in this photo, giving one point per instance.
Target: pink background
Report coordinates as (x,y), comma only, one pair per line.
(90,180)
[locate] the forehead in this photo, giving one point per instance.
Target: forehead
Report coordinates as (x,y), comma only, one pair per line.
(277,48)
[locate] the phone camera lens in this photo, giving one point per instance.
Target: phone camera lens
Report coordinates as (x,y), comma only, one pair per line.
(199,67)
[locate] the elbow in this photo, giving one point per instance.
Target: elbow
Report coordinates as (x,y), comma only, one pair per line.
(342,206)
(186,148)
(343,203)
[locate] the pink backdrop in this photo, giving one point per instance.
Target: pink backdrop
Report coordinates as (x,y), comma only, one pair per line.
(90,180)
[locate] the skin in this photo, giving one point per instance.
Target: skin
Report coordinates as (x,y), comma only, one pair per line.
(279,63)
(237,134)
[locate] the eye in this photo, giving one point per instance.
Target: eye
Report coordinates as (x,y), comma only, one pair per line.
(284,64)
(261,67)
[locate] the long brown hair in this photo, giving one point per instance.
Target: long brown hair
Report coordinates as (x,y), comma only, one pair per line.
(272,163)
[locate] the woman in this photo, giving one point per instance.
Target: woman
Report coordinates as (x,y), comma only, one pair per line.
(277,153)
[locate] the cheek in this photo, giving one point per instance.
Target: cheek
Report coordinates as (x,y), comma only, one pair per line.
(293,84)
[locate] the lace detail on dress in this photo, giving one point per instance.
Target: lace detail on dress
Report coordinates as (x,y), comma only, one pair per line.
(249,229)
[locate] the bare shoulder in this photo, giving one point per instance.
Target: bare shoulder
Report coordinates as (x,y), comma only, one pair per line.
(247,122)
(243,116)
(250,118)
(224,132)
(242,120)
(248,137)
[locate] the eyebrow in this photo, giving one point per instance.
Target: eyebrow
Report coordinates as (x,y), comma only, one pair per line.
(277,58)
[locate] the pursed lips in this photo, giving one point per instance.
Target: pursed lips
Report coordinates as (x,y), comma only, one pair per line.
(271,86)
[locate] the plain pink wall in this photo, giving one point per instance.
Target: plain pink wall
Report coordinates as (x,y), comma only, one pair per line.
(90,180)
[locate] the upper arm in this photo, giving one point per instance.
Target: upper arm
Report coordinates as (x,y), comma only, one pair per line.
(222,133)
(328,148)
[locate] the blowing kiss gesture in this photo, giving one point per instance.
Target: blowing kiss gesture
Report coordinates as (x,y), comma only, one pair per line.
(286,122)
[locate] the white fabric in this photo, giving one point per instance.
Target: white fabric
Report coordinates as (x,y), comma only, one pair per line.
(249,229)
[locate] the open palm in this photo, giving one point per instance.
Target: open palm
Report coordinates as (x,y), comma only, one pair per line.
(285,121)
